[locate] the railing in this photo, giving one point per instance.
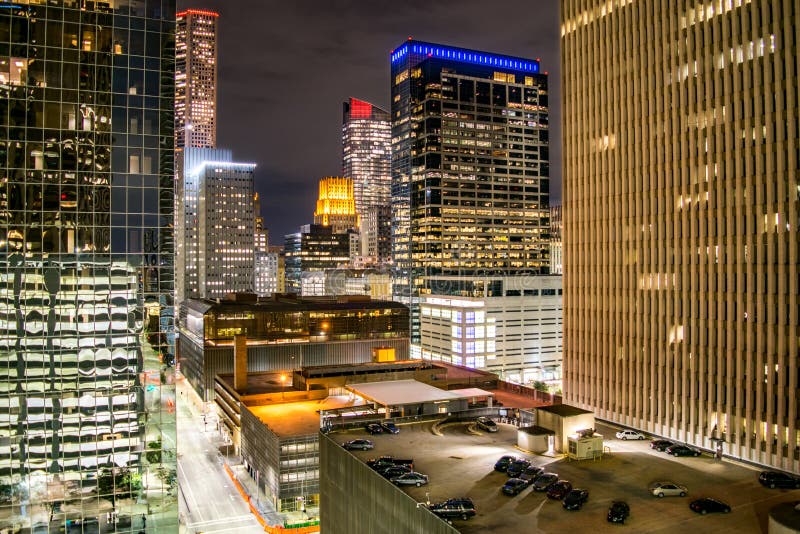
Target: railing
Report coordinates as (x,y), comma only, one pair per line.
(535,394)
(463,415)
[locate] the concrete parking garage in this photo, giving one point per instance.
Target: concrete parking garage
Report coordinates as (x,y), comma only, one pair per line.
(460,463)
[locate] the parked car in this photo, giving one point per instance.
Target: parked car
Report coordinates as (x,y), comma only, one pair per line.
(682,450)
(661,444)
(410,479)
(629,434)
(544,481)
(358,444)
(484,423)
(618,512)
(387,461)
(374,428)
(668,489)
(708,506)
(776,479)
(559,489)
(390,427)
(461,508)
(514,485)
(575,499)
(530,473)
(503,463)
(515,469)
(394,471)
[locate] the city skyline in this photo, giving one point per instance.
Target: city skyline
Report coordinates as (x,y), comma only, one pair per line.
(311,49)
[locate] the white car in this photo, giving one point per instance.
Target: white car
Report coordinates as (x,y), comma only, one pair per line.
(629,434)
(669,489)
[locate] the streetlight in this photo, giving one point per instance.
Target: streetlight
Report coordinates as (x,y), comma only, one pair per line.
(283,386)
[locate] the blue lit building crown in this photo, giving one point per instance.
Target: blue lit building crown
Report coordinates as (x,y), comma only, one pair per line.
(465,55)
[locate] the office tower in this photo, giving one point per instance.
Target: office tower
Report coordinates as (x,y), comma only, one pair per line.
(556,245)
(86,263)
(336,205)
(376,234)
(268,273)
(314,248)
(196,79)
(469,166)
(366,157)
(681,220)
(214,225)
(261,235)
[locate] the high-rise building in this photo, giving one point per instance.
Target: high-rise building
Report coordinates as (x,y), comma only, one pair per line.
(268,273)
(469,166)
(261,236)
(366,158)
(314,248)
(556,244)
(336,205)
(682,207)
(214,225)
(376,234)
(196,79)
(86,264)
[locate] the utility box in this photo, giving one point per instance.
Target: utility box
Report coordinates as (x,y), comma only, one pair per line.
(582,448)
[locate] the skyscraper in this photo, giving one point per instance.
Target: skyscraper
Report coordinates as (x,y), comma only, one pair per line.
(366,159)
(336,206)
(196,79)
(681,213)
(86,261)
(469,166)
(215,225)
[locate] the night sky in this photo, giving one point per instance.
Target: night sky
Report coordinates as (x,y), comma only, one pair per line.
(285,67)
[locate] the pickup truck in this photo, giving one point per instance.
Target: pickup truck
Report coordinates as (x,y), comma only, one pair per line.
(387,461)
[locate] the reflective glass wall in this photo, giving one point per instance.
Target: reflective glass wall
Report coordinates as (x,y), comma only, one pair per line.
(87,422)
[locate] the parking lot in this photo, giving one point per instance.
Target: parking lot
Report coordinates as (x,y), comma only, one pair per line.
(460,463)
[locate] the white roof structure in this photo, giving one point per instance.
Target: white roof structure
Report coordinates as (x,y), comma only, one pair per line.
(472,392)
(399,392)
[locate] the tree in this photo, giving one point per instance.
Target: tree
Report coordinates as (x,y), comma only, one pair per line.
(168,477)
(118,483)
(538,385)
(153,453)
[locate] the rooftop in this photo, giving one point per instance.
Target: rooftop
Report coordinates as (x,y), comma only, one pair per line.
(294,419)
(564,410)
(282,303)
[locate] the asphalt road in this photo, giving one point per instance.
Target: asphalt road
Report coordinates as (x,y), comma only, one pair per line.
(208,500)
(461,464)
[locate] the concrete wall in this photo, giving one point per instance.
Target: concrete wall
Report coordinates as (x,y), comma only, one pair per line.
(354,498)
(529,442)
(563,426)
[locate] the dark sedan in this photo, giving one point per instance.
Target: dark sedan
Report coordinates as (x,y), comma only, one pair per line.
(575,499)
(709,506)
(514,485)
(776,479)
(544,481)
(516,469)
(618,512)
(559,490)
(394,471)
(682,450)
(374,428)
(661,444)
(503,463)
(530,473)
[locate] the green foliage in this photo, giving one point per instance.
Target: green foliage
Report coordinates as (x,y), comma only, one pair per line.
(168,477)
(118,483)
(538,385)
(153,453)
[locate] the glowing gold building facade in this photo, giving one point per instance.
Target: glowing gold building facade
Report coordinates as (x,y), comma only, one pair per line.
(681,197)
(336,205)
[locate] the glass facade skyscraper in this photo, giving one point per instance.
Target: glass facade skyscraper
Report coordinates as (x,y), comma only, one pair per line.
(470,171)
(86,263)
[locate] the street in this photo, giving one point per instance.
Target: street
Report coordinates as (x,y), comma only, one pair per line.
(208,499)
